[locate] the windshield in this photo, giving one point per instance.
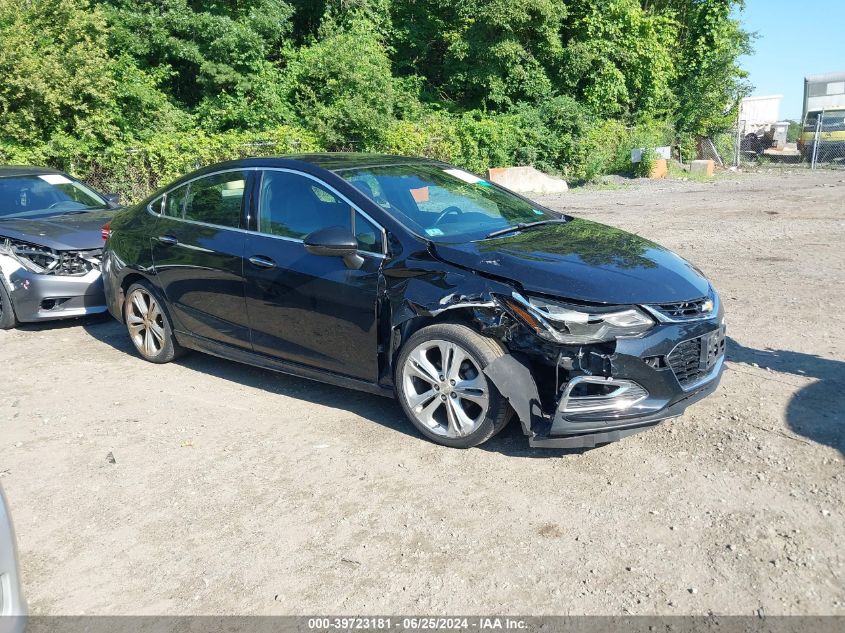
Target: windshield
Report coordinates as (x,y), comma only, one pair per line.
(48,194)
(833,121)
(443,203)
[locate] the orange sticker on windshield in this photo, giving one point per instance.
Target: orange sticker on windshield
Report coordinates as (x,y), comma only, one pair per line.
(420,195)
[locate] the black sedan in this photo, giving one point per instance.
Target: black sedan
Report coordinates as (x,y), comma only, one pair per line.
(415,279)
(50,246)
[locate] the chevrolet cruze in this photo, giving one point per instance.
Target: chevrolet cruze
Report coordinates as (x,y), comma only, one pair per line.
(415,279)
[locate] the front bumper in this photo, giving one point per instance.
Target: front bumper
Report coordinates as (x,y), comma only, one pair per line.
(648,394)
(38,297)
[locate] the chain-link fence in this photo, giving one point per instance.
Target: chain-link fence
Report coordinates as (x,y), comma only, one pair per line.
(818,143)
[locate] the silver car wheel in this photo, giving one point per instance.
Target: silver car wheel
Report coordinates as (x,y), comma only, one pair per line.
(444,388)
(145,322)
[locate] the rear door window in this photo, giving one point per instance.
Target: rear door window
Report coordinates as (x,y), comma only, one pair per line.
(216,199)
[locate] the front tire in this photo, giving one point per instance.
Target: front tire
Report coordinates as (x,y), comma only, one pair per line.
(8,320)
(148,324)
(442,387)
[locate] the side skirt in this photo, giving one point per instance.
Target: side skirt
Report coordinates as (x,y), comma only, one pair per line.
(273,364)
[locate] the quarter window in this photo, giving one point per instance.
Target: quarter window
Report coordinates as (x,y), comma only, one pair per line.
(157,205)
(175,202)
(216,199)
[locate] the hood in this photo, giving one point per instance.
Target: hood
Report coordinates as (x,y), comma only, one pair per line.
(585,261)
(76,232)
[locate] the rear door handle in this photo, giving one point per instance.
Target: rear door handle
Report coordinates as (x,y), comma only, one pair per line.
(168,240)
(262,262)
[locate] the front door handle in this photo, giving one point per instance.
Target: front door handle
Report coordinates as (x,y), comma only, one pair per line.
(168,240)
(262,262)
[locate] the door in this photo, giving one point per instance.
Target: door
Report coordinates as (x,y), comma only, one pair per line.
(304,308)
(198,257)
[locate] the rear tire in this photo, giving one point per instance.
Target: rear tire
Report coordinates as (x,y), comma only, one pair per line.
(8,320)
(442,387)
(149,325)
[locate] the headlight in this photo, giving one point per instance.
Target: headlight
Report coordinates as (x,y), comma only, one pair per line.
(46,261)
(565,323)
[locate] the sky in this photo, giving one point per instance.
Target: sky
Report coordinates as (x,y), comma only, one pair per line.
(795,39)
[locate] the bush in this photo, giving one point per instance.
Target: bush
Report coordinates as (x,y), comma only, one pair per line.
(341,87)
(794,131)
(644,168)
(603,144)
(136,170)
(434,135)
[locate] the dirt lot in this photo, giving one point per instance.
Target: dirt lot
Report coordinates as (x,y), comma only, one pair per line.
(237,490)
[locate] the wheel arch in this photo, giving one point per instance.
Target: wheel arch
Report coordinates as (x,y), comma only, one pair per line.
(402,331)
(127,280)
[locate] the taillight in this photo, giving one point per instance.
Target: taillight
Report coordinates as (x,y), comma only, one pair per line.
(106,231)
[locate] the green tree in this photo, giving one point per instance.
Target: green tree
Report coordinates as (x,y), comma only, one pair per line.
(709,82)
(57,76)
(480,53)
(103,86)
(203,49)
(617,58)
(341,86)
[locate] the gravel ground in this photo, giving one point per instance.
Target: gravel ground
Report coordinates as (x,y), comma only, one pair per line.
(235,490)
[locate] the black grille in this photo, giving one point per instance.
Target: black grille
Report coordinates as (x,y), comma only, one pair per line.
(78,262)
(684,310)
(693,359)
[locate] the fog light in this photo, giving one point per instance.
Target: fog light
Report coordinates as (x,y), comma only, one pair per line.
(588,394)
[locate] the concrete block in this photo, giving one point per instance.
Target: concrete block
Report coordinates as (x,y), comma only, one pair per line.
(702,167)
(526,180)
(659,168)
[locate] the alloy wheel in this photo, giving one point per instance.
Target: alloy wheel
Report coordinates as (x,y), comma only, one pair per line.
(445,389)
(145,322)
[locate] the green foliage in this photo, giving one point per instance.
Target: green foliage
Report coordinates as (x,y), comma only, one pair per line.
(137,170)
(433,135)
(224,46)
(619,57)
(609,145)
(131,93)
(481,53)
(710,84)
(341,87)
(644,168)
(793,133)
(56,73)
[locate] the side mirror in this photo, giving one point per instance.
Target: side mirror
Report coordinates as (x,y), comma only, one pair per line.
(113,199)
(334,241)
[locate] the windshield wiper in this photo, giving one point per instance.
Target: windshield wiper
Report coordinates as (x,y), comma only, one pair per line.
(76,211)
(522,226)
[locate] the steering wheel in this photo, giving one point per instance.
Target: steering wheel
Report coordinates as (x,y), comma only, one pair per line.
(447,211)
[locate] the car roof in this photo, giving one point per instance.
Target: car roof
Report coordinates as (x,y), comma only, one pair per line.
(10,171)
(337,161)
(334,162)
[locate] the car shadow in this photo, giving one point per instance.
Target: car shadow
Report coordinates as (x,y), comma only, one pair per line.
(817,411)
(385,411)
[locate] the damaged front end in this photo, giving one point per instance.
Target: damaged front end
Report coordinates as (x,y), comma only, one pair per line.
(604,372)
(578,375)
(44,283)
